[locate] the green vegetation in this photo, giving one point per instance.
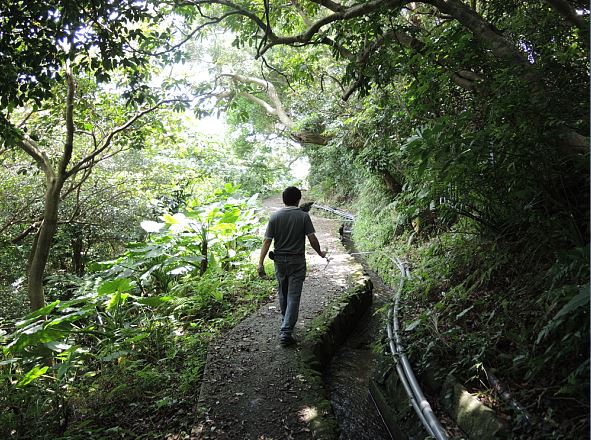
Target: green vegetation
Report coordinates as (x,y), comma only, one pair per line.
(456,129)
(132,333)
(479,303)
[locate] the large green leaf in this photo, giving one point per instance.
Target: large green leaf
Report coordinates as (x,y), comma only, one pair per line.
(230,216)
(116,300)
(34,373)
(579,300)
(153,301)
(118,285)
(32,317)
(32,335)
(71,317)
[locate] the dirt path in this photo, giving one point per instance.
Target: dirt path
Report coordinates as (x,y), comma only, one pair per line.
(253,388)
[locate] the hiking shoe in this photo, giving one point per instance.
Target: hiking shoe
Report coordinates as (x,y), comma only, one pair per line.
(287,340)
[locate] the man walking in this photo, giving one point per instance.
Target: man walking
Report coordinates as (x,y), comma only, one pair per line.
(289,228)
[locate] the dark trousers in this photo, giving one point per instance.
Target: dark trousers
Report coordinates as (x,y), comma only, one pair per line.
(290,272)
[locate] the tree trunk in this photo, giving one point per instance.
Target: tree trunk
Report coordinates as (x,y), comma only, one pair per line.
(394,187)
(40,250)
(77,256)
(204,262)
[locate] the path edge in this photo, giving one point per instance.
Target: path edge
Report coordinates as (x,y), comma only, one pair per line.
(325,334)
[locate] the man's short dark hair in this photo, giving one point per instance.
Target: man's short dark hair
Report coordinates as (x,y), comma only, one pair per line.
(292,196)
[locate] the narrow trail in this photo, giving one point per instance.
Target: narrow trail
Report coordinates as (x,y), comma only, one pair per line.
(252,387)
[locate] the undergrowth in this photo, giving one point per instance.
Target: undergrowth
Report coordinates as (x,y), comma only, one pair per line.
(120,352)
(114,383)
(515,306)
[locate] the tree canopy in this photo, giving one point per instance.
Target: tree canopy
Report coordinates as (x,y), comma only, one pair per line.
(458,130)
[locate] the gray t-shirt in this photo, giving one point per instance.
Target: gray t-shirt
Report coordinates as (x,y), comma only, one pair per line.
(289,227)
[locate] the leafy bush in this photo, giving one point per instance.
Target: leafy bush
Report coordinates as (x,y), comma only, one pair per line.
(135,331)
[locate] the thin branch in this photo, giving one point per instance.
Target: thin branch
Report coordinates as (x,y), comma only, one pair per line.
(76,185)
(334,78)
(329,4)
(96,160)
(264,60)
(109,138)
(92,135)
(269,31)
(69,142)
(238,9)
(16,216)
(190,35)
(26,118)
(343,52)
(27,231)
(30,147)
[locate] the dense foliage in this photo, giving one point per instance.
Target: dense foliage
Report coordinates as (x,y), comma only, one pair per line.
(488,205)
(456,129)
(133,331)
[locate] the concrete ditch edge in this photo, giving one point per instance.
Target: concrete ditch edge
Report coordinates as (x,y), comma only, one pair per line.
(473,417)
(326,334)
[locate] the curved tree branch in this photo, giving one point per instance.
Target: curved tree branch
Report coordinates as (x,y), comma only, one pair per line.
(355,11)
(329,4)
(30,147)
(191,34)
(237,8)
(275,108)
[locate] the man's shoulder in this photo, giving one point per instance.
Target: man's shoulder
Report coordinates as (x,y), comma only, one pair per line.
(288,212)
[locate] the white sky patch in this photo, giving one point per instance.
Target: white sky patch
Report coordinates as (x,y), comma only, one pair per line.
(301,168)
(213,126)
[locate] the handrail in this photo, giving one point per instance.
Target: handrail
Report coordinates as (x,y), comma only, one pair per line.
(346,215)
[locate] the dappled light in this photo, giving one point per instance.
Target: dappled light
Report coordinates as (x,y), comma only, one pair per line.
(308,414)
(143,148)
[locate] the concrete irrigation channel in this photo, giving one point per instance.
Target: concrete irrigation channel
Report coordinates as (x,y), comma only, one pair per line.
(391,383)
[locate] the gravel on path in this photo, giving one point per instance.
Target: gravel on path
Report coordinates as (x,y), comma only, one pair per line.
(252,387)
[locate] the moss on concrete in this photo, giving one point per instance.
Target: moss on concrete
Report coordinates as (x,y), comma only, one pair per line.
(326,333)
(476,419)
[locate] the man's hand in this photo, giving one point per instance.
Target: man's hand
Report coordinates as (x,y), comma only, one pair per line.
(261,271)
(325,255)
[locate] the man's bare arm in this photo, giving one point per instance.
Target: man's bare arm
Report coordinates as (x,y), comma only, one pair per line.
(263,254)
(315,245)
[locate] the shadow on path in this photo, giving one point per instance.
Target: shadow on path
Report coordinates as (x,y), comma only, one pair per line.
(252,387)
